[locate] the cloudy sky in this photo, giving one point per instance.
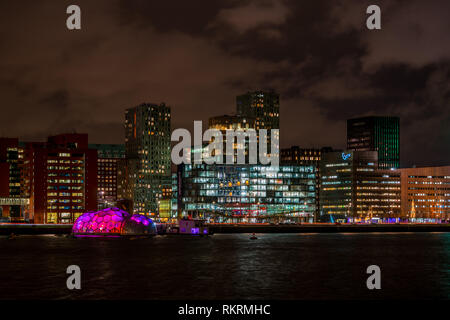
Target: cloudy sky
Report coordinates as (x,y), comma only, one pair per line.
(196,56)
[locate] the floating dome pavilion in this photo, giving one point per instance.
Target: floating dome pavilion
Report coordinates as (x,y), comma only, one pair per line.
(113,222)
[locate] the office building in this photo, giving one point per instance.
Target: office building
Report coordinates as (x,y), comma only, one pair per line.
(303,156)
(14,197)
(63,178)
(381,134)
(108,157)
(247,193)
(262,106)
(165,202)
(426,193)
(309,157)
(147,149)
(232,122)
(124,181)
(353,188)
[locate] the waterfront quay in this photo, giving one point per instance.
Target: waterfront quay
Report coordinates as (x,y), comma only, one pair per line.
(65,229)
(34,229)
(328,228)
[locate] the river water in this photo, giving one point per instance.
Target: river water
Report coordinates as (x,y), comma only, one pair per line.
(228,266)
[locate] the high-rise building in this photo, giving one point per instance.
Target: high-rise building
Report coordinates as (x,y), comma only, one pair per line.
(309,157)
(108,158)
(123,180)
(381,134)
(426,193)
(63,178)
(263,106)
(14,197)
(233,122)
(147,149)
(352,187)
(303,156)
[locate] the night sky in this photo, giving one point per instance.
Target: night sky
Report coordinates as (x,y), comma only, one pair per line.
(196,56)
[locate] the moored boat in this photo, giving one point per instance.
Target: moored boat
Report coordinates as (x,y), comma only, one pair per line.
(195,227)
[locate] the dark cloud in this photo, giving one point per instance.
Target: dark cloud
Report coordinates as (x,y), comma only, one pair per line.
(197,56)
(172,15)
(58,99)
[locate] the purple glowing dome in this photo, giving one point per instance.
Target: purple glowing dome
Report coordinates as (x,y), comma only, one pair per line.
(113,221)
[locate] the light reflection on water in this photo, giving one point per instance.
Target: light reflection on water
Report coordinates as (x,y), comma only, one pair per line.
(229,266)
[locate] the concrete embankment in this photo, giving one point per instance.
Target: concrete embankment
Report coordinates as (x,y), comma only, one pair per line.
(35,229)
(329,228)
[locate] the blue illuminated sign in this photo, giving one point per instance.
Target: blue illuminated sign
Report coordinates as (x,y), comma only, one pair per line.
(346,156)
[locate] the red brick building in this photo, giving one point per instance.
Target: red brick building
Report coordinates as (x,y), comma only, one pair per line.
(62,178)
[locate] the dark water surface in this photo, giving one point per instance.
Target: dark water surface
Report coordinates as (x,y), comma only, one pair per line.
(228,266)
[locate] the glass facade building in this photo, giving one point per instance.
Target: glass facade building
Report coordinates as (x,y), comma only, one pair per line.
(306,156)
(248,193)
(381,134)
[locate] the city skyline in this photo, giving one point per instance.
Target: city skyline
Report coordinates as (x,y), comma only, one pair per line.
(125,54)
(225,158)
(344,145)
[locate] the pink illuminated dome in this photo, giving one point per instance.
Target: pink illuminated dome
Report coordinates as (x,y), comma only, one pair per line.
(113,221)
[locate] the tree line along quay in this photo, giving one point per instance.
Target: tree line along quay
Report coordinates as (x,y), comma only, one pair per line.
(58,180)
